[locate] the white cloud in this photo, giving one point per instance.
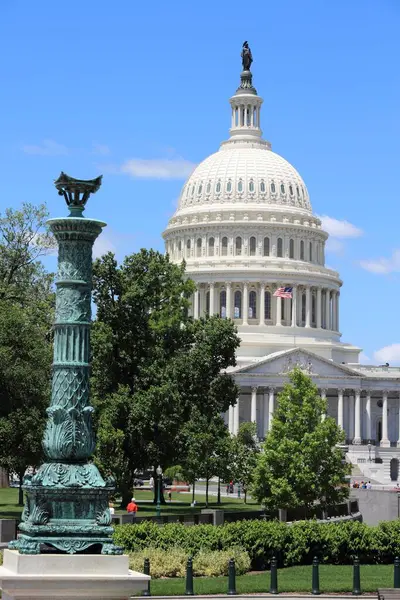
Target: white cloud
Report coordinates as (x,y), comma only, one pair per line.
(46,148)
(390,354)
(334,246)
(158,168)
(102,245)
(340,228)
(383,266)
(364,359)
(101,149)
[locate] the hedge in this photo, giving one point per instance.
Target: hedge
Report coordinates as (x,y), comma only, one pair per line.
(296,544)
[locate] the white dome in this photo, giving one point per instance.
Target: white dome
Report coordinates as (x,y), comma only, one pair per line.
(254,175)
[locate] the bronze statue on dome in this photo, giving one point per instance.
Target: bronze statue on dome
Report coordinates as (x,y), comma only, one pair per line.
(247,57)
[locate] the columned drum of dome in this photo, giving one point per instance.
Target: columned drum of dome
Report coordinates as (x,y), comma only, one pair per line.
(245,227)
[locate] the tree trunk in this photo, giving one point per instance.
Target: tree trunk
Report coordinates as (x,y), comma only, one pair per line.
(245,496)
(193,491)
(219,491)
(4,480)
(207,492)
(126,495)
(20,490)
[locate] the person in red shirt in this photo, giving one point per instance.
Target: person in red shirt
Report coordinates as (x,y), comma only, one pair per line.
(132,508)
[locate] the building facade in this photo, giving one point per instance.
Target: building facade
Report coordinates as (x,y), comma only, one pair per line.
(245,227)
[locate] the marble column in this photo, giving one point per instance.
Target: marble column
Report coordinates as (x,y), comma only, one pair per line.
(236,416)
(278,310)
(340,420)
(266,411)
(337,311)
(271,406)
(385,442)
(212,300)
(318,308)
(253,414)
(350,433)
(357,418)
(196,304)
(262,304)
(323,397)
(327,309)
(294,307)
(231,419)
(308,306)
(398,405)
(368,415)
(245,304)
(202,302)
(228,300)
(334,311)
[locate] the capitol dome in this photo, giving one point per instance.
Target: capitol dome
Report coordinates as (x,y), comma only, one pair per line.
(244,227)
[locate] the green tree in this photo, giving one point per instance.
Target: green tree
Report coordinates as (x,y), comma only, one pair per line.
(245,450)
(301,462)
(152,364)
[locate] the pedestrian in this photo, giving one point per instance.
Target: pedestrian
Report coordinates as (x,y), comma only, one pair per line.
(132,508)
(112,509)
(169,496)
(151,482)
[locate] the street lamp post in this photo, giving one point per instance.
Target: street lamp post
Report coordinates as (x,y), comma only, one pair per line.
(159,479)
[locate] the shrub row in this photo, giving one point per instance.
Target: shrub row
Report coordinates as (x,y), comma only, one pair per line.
(172,562)
(296,544)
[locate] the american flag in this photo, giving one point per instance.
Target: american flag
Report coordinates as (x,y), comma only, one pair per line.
(283,292)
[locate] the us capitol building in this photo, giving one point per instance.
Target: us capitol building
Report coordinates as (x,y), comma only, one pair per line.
(245,227)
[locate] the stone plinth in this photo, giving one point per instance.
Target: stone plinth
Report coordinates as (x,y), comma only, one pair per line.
(68,577)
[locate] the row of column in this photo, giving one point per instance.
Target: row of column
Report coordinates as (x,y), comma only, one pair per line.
(331,308)
(354,413)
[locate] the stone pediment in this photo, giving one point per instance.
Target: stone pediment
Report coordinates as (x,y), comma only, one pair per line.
(281,363)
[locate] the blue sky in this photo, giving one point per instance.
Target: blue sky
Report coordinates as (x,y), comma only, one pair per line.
(88,86)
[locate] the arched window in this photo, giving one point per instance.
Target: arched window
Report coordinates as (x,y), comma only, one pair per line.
(291,248)
(266,246)
(273,189)
(251,186)
(267,305)
(238,305)
(303,308)
(298,191)
(283,189)
(291,190)
(218,187)
(200,189)
(208,189)
(302,250)
(280,248)
(229,186)
(193,186)
(224,246)
(252,246)
(252,305)
(208,303)
(198,249)
(313,310)
(310,251)
(211,246)
(238,246)
(240,186)
(188,245)
(222,303)
(262,187)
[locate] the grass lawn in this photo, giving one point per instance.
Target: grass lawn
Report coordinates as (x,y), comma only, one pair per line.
(180,503)
(333,579)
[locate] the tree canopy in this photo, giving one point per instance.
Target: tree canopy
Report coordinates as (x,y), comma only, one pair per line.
(301,462)
(152,363)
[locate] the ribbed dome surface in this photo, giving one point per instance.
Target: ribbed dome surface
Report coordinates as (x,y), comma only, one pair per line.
(245,174)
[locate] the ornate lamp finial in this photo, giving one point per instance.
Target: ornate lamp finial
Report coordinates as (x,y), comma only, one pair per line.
(76,191)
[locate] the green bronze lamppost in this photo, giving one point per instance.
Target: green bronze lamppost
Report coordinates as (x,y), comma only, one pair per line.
(159,480)
(67,500)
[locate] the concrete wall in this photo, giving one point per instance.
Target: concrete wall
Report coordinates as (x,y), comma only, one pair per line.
(377,505)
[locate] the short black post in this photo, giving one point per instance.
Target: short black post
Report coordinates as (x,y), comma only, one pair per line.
(356,577)
(315,576)
(396,573)
(232,578)
(273,588)
(189,577)
(146,571)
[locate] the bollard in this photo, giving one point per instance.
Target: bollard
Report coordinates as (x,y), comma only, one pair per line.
(232,578)
(273,588)
(396,573)
(146,571)
(315,577)
(356,577)
(189,577)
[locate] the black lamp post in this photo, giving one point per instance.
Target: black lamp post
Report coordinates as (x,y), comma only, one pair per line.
(159,479)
